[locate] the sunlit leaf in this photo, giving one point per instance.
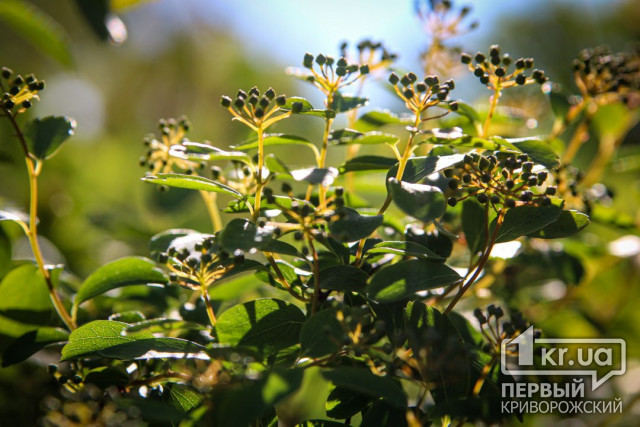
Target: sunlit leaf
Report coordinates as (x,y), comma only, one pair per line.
(404,279)
(190,182)
(116,274)
(44,136)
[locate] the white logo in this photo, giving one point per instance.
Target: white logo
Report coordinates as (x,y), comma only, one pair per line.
(564,356)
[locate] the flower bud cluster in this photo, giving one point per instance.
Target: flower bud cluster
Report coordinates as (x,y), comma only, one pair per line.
(21,90)
(199,266)
(608,76)
(254,108)
(157,158)
(373,55)
(497,70)
(420,95)
(502,180)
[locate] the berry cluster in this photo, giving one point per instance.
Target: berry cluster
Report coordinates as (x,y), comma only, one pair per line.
(420,95)
(256,110)
(200,265)
(158,157)
(493,70)
(442,19)
(328,74)
(374,55)
(22,90)
(608,76)
(496,333)
(500,179)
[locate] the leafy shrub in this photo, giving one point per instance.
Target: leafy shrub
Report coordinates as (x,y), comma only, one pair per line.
(362,305)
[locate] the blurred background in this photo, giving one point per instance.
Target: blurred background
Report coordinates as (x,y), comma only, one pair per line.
(168,58)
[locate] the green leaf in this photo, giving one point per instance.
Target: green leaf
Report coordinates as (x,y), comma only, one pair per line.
(362,380)
(190,182)
(423,202)
(567,224)
(163,325)
(382,414)
(155,348)
(342,103)
(465,141)
(274,139)
(265,325)
(96,336)
(276,166)
(374,120)
(560,104)
(15,216)
(524,220)
(367,163)
(38,28)
(183,397)
(234,289)
(343,278)
(315,176)
(321,334)
(116,274)
(374,137)
(538,150)
(352,226)
(5,252)
(343,403)
(106,376)
(30,343)
(464,110)
(418,168)
(44,136)
(231,402)
(162,241)
(269,210)
(107,338)
(473,225)
(244,235)
(403,248)
(404,279)
(307,108)
(24,296)
(204,152)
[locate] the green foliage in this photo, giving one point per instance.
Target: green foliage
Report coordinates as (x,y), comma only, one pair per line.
(323,297)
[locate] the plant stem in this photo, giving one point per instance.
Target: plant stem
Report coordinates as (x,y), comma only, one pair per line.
(323,153)
(33,168)
(402,164)
(485,256)
(316,275)
(492,107)
(207,303)
(576,142)
(212,208)
(256,208)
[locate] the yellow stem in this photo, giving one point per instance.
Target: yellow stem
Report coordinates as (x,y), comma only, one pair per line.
(256,208)
(34,168)
(492,108)
(207,303)
(212,208)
